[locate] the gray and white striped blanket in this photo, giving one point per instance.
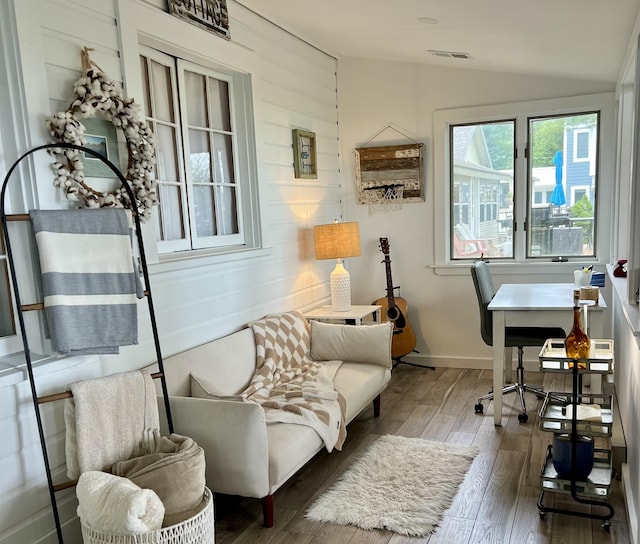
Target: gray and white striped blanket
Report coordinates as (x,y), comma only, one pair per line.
(88,279)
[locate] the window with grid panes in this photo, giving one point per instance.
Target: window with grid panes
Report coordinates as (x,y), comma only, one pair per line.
(202,154)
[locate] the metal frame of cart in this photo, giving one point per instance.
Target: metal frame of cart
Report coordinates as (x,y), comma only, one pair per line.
(596,489)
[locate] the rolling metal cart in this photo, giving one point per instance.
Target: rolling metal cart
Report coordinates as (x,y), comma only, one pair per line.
(596,488)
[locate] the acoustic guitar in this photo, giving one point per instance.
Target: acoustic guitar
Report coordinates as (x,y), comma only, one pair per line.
(394,309)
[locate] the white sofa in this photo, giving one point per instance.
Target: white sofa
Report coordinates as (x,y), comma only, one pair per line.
(244,455)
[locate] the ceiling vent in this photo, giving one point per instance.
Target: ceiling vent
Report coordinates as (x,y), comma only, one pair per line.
(449,54)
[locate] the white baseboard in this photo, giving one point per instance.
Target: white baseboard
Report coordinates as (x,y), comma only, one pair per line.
(466,362)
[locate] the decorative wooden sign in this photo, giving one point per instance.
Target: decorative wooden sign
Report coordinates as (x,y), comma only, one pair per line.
(211,15)
(379,168)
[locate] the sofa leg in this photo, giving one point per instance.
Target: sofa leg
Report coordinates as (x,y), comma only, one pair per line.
(376,406)
(267,510)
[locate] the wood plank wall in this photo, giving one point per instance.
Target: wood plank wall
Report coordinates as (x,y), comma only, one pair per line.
(294,86)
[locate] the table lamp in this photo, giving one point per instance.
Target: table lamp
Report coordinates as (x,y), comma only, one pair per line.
(338,241)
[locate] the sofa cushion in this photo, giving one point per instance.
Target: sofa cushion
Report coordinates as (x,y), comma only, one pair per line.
(204,388)
(363,344)
(290,448)
(359,383)
(230,361)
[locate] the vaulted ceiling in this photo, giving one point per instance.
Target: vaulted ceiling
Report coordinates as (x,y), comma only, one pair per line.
(583,39)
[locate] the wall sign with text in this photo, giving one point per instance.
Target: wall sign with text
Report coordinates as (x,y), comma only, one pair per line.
(211,15)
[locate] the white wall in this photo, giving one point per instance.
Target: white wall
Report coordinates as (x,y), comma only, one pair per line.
(373,94)
(627,381)
(625,312)
(294,86)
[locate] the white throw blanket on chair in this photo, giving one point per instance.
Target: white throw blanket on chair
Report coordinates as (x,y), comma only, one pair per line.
(110,419)
(289,386)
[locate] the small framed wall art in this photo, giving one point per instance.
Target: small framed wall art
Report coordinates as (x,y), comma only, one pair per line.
(304,154)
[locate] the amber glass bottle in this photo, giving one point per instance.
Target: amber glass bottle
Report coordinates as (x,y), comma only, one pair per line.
(577,343)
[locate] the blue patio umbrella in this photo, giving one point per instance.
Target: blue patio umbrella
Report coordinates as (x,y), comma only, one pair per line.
(557,197)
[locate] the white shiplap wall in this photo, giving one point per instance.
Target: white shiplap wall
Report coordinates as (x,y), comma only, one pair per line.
(294,86)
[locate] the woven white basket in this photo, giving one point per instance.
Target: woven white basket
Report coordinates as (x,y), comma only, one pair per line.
(198,529)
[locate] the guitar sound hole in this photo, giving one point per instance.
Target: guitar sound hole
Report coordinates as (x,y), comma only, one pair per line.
(394,314)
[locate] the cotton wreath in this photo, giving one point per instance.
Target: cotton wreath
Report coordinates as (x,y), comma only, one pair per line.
(97,94)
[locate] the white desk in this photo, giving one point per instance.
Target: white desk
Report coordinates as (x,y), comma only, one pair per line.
(353,315)
(531,305)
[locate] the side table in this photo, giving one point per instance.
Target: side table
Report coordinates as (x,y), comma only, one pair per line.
(353,316)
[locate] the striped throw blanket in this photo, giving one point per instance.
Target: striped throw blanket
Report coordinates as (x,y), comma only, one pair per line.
(289,386)
(88,279)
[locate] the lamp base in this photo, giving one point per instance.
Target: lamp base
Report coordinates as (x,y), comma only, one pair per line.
(340,288)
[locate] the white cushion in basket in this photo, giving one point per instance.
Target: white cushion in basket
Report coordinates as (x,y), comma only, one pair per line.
(357,344)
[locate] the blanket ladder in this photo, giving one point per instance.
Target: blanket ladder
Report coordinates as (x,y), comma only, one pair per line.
(21,308)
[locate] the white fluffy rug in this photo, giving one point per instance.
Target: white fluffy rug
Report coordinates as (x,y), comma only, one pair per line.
(400,484)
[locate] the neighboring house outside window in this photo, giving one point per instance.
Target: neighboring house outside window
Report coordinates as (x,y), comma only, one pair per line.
(478,186)
(581,167)
(581,145)
(528,184)
(554,229)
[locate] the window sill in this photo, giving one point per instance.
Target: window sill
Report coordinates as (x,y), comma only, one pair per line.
(13,367)
(631,311)
(187,260)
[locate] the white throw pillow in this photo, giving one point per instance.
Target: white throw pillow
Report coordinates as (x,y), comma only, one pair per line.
(202,388)
(357,344)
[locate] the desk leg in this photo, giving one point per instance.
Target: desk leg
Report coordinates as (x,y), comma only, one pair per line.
(498,364)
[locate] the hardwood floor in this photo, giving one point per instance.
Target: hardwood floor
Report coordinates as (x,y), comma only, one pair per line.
(497,501)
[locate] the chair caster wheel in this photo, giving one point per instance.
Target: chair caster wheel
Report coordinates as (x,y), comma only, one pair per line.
(523,418)
(606,525)
(543,515)
(478,408)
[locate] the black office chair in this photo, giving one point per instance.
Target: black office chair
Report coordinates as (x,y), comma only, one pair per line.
(514,337)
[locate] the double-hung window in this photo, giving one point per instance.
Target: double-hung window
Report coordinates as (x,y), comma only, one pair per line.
(200,119)
(522,185)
